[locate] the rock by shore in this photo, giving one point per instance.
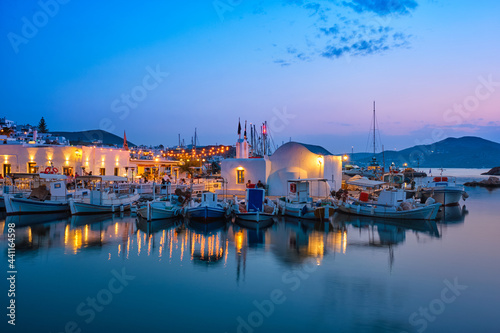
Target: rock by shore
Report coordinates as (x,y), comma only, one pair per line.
(490,182)
(494,172)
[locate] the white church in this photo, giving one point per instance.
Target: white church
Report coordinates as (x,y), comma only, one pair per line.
(292,160)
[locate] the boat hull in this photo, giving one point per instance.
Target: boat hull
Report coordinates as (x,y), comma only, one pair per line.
(156,212)
(309,213)
(254,220)
(81,208)
(206,227)
(16,206)
(205,213)
(446,197)
(422,213)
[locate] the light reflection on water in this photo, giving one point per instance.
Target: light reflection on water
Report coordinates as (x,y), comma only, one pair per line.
(127,235)
(372,274)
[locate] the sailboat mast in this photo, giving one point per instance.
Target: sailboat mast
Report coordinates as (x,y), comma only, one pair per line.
(373,128)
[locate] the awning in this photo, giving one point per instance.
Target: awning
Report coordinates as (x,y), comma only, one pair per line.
(307,180)
(363,182)
(103,178)
(38,175)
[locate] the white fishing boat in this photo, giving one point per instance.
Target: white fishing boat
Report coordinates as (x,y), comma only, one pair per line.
(160,209)
(444,190)
(299,203)
(254,212)
(352,170)
(48,194)
(391,203)
(208,209)
(104,196)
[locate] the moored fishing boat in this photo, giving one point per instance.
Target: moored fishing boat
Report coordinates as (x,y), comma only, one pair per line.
(208,209)
(390,204)
(443,190)
(299,203)
(255,213)
(48,194)
(104,196)
(159,209)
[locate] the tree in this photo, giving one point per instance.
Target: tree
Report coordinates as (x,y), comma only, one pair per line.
(189,167)
(7,131)
(42,126)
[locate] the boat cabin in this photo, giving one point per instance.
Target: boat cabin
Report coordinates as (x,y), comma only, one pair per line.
(42,185)
(209,197)
(255,199)
(299,189)
(391,197)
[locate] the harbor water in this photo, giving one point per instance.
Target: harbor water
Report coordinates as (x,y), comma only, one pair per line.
(115,273)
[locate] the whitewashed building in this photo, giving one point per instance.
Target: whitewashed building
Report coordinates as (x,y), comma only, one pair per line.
(34,158)
(292,160)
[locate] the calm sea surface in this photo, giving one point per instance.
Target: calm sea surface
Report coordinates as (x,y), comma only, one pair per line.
(117,274)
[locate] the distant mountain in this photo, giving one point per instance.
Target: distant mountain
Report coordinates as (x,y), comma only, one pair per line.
(86,138)
(464,152)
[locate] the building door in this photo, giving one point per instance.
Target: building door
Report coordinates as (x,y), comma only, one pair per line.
(117,171)
(6,169)
(102,171)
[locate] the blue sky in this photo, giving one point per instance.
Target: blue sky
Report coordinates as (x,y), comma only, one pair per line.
(310,68)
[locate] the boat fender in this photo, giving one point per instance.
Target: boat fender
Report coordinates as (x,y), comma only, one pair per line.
(465,195)
(304,210)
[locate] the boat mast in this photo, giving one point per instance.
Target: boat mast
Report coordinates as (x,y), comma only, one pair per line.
(373,128)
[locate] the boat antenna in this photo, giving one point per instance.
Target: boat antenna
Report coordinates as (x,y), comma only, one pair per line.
(383,158)
(374,128)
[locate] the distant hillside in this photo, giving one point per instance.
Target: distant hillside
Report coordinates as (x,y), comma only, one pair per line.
(86,138)
(465,152)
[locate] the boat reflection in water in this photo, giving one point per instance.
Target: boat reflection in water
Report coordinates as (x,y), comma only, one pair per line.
(208,241)
(155,226)
(452,214)
(81,220)
(385,233)
(27,220)
(295,240)
(291,240)
(390,232)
